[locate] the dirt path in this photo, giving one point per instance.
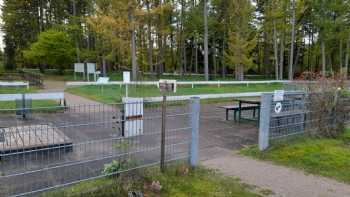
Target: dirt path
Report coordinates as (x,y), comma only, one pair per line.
(71,99)
(284,182)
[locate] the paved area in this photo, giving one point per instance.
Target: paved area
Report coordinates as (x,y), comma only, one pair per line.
(284,182)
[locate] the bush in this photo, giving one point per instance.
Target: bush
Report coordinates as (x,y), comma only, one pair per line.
(54,48)
(327,102)
(116,166)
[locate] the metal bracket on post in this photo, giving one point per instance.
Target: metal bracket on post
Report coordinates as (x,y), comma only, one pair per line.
(195,112)
(264,126)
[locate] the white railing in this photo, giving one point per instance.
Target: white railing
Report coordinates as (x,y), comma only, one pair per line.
(33,96)
(14,84)
(192,83)
(205,96)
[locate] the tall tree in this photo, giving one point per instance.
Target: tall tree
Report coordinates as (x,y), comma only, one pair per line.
(206,50)
(242,39)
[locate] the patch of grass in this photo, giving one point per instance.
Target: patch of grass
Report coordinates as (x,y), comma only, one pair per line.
(17,90)
(174,182)
(21,90)
(325,157)
(114,93)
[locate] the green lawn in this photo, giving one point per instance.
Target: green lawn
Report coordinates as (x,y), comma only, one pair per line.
(114,93)
(325,157)
(175,182)
(20,90)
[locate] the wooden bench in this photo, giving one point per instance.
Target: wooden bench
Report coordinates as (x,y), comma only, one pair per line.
(236,109)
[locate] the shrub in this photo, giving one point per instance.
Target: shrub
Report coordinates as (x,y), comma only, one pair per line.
(327,102)
(116,166)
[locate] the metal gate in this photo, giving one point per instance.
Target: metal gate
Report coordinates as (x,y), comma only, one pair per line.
(59,146)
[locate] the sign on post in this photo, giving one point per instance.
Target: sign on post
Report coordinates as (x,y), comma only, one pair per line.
(278,95)
(167,85)
(102,81)
(91,69)
(79,68)
(126,77)
(126,80)
(133,116)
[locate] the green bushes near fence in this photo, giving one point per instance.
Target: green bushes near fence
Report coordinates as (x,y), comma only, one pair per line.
(177,181)
(319,156)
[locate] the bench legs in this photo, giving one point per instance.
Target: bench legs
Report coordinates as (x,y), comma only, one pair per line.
(227,111)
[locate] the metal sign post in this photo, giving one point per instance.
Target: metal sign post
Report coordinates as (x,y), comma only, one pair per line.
(162,148)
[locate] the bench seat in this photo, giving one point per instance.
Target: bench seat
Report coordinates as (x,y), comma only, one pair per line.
(236,109)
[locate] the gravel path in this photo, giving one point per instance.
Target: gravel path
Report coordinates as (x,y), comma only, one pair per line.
(71,99)
(284,182)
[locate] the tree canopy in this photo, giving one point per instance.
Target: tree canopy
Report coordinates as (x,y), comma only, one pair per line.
(278,38)
(53,48)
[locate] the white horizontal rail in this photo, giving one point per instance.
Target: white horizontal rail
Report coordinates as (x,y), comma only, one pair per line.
(205,96)
(179,83)
(212,96)
(14,84)
(33,96)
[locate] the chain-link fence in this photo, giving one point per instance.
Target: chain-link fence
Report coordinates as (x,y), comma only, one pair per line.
(53,147)
(300,113)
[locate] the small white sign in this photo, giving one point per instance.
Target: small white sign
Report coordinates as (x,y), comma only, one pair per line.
(278,108)
(103,80)
(278,95)
(126,77)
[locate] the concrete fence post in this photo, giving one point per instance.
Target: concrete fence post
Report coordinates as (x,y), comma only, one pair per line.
(265,113)
(195,111)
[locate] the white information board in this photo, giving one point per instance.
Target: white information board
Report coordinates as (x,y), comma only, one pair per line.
(126,77)
(133,112)
(91,68)
(278,95)
(79,68)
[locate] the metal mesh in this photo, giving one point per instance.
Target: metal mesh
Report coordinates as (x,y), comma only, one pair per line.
(64,145)
(300,114)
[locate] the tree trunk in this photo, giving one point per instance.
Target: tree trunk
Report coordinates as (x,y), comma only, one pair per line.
(347,59)
(133,47)
(185,57)
(291,58)
(281,64)
(150,41)
(275,49)
(196,58)
(223,67)
(341,56)
(214,58)
(104,67)
(206,61)
(323,51)
(76,40)
(239,72)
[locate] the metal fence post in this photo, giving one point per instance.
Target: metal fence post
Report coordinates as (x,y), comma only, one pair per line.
(195,111)
(265,112)
(162,144)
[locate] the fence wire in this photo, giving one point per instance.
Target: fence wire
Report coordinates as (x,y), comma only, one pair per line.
(300,114)
(45,148)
